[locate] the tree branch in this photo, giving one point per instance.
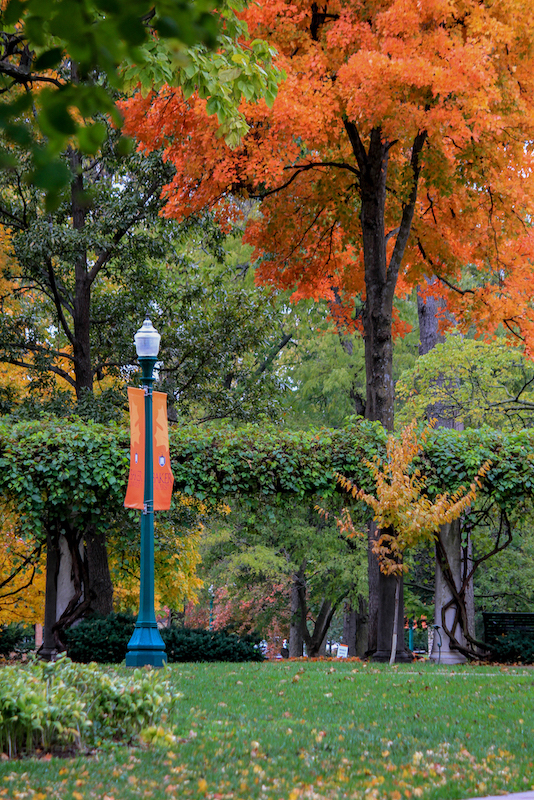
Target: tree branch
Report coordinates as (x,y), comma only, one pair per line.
(407,212)
(27,365)
(58,302)
(35,554)
(304,168)
(106,254)
(274,352)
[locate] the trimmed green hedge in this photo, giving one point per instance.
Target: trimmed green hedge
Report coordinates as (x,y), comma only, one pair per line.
(513,647)
(187,644)
(105,640)
(100,639)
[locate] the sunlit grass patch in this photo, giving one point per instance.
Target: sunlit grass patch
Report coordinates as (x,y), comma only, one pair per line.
(284,731)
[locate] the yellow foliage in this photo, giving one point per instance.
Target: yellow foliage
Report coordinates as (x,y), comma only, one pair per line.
(176,559)
(21,597)
(403,512)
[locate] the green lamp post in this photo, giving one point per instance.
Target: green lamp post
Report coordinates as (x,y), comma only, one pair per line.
(146,647)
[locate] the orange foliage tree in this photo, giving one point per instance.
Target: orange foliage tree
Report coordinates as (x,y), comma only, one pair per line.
(399,147)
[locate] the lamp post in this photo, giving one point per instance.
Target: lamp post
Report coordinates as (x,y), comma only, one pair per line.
(146,647)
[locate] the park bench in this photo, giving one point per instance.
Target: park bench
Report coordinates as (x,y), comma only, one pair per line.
(497,625)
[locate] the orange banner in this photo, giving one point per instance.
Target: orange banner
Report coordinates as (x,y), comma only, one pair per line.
(136,479)
(163,477)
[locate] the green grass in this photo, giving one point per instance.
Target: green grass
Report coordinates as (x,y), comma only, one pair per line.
(283,731)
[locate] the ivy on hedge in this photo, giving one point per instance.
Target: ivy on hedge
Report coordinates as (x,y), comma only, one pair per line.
(269,462)
(52,468)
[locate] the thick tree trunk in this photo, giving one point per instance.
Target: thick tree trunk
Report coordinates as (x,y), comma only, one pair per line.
(446,617)
(377,322)
(82,295)
(389,603)
(380,284)
(78,578)
(427,313)
(380,406)
(49,648)
(100,586)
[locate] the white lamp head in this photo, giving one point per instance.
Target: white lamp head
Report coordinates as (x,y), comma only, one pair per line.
(147,340)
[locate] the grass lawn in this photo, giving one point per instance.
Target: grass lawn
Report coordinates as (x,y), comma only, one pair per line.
(288,730)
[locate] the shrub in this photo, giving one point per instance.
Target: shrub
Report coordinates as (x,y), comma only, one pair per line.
(55,706)
(11,638)
(105,640)
(187,644)
(512,647)
(101,639)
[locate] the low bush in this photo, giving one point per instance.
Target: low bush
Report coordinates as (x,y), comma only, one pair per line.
(62,706)
(100,639)
(513,647)
(12,639)
(105,640)
(188,644)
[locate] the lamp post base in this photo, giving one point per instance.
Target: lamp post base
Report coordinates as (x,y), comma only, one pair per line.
(146,647)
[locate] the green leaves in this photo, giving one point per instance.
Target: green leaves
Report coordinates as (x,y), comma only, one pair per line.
(63,52)
(53,705)
(52,470)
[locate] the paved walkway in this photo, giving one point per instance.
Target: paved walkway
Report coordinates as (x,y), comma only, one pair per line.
(520,796)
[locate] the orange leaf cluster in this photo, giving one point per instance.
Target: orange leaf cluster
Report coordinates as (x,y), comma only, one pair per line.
(459,70)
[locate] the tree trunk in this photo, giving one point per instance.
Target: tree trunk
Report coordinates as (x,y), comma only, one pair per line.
(467,566)
(377,322)
(389,605)
(377,317)
(395,634)
(315,644)
(355,627)
(449,535)
(49,647)
(82,295)
(84,579)
(447,618)
(314,641)
(100,586)
(296,641)
(373,576)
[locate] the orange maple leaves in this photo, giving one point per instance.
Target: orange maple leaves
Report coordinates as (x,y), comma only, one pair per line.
(463,72)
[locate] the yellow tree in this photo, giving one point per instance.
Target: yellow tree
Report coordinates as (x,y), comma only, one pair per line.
(22,576)
(176,559)
(404,514)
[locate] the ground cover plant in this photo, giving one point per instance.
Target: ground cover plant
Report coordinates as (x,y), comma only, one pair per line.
(311,730)
(61,707)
